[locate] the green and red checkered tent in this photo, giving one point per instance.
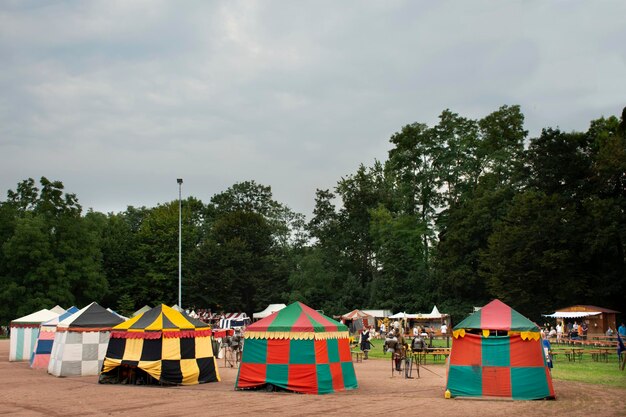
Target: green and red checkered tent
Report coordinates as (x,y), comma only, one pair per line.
(497,352)
(297,349)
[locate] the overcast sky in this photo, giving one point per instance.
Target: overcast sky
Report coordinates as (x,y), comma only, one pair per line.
(117,99)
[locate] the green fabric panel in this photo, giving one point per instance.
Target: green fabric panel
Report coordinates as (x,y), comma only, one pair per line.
(33,339)
(520,323)
(470,322)
(465,381)
(349,377)
(333,350)
(324,379)
(319,327)
(277,375)
(255,351)
(285,318)
(529,383)
(301,352)
(496,351)
(19,347)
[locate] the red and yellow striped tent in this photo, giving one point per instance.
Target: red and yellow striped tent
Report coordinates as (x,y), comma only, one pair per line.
(169,346)
(297,349)
(497,352)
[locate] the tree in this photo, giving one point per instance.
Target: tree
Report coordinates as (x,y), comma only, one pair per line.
(49,255)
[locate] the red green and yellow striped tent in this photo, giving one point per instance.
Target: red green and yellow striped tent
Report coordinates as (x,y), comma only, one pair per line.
(297,349)
(169,346)
(497,352)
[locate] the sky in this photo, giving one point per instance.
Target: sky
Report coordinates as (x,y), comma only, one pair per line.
(118,99)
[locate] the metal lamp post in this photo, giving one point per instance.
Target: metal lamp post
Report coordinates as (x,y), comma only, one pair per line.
(180,242)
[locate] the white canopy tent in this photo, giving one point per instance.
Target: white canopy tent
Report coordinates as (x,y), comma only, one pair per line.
(272,308)
(572,314)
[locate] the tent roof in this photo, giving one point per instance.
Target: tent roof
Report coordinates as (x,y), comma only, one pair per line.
(57,309)
(141,310)
(497,316)
(355,314)
(36,317)
(268,310)
(56,320)
(161,317)
(377,313)
(296,321)
(572,314)
(91,316)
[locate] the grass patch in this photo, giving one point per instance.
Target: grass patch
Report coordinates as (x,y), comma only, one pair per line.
(598,373)
(587,370)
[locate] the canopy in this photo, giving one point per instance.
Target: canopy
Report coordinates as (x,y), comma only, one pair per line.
(92,316)
(43,346)
(356,314)
(168,345)
(81,341)
(24,334)
(297,349)
(484,364)
(297,321)
(141,310)
(497,316)
(572,314)
(272,308)
(34,319)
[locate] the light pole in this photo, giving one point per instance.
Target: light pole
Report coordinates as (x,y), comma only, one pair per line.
(180,242)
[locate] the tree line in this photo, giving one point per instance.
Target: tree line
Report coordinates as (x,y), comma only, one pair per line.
(458,214)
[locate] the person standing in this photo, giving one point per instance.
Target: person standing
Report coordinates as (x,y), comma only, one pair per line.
(364,341)
(622,330)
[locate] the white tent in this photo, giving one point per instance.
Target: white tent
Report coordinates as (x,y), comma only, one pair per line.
(24,334)
(81,341)
(272,308)
(572,314)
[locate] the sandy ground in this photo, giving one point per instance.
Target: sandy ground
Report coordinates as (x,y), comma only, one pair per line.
(28,392)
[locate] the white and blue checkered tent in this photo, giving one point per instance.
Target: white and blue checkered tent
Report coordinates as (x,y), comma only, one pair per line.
(81,341)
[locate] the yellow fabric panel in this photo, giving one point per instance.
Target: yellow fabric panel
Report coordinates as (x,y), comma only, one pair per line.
(458,333)
(178,319)
(151,367)
(171,348)
(110,364)
(485,333)
(190,370)
(126,324)
(530,335)
(204,349)
(156,324)
(132,351)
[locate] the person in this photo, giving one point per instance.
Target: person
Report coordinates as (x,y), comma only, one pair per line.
(364,341)
(418,344)
(382,329)
(559,331)
(390,342)
(444,329)
(547,351)
(622,330)
(609,331)
(400,350)
(416,330)
(552,333)
(584,328)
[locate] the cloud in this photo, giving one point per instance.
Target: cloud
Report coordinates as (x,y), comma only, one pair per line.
(118,99)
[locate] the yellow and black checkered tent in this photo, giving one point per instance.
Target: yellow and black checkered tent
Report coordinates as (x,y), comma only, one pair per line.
(167,345)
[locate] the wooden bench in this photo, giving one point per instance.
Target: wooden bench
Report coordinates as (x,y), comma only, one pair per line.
(357,356)
(596,355)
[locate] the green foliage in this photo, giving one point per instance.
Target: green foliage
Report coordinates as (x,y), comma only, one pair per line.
(460,212)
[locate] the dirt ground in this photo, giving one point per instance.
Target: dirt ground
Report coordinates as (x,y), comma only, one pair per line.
(28,392)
